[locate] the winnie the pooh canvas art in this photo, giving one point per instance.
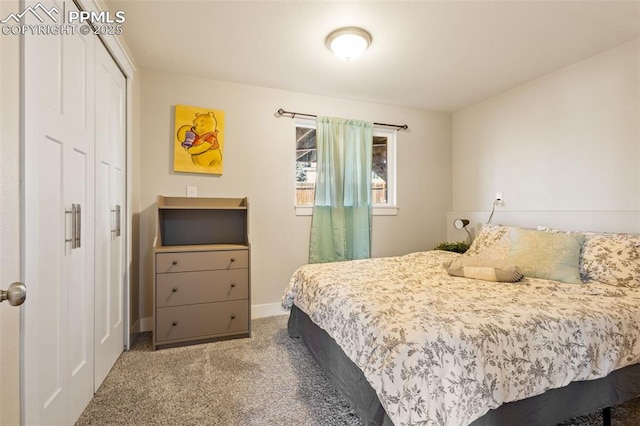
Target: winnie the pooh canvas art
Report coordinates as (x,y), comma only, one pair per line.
(199,140)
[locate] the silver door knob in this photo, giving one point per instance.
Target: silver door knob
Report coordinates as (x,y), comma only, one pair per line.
(15,294)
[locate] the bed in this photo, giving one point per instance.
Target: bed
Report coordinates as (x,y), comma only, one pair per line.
(408,343)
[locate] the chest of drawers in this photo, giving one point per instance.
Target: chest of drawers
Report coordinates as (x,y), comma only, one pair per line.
(201,292)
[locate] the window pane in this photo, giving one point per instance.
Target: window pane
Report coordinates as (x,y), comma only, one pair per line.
(305,165)
(379,179)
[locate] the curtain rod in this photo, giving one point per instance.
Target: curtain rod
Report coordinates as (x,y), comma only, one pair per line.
(281,113)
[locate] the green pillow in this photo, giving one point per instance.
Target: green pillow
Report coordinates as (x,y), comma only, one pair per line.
(546,255)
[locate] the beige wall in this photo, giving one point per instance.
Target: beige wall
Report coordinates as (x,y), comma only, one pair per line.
(259,163)
(563,148)
(9,220)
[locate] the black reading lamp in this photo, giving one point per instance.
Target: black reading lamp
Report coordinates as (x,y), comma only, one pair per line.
(462,224)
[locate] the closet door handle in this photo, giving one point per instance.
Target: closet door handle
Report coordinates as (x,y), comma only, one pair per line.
(118,220)
(117,213)
(78,226)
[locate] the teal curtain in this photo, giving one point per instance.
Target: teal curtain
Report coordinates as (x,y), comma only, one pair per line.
(341,223)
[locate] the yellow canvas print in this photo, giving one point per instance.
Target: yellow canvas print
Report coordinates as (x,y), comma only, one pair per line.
(199,140)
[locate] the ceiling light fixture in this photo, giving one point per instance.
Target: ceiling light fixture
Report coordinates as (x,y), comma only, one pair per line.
(349,42)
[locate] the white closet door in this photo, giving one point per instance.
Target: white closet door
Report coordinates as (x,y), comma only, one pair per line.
(58,175)
(110,139)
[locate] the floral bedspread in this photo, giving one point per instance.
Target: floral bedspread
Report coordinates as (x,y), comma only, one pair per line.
(443,350)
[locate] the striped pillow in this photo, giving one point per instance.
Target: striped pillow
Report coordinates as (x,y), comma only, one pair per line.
(483,269)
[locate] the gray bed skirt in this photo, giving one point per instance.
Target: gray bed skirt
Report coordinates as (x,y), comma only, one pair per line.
(552,407)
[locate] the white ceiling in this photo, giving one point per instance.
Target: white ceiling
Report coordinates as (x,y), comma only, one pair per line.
(438,55)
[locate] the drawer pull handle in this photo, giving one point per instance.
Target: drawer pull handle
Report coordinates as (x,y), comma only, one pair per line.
(233,317)
(174,263)
(173,324)
(232,260)
(174,290)
(232,285)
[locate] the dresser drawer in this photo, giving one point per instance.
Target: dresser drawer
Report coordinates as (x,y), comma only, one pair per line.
(185,288)
(201,260)
(201,321)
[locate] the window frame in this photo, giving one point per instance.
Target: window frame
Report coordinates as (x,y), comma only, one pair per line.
(390,208)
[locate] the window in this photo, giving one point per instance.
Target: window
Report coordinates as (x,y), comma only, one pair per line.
(382,169)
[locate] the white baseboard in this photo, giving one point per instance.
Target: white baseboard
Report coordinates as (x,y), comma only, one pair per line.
(257,311)
(135,328)
(267,310)
(146,324)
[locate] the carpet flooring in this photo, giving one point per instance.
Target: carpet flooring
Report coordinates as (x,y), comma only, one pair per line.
(269,379)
